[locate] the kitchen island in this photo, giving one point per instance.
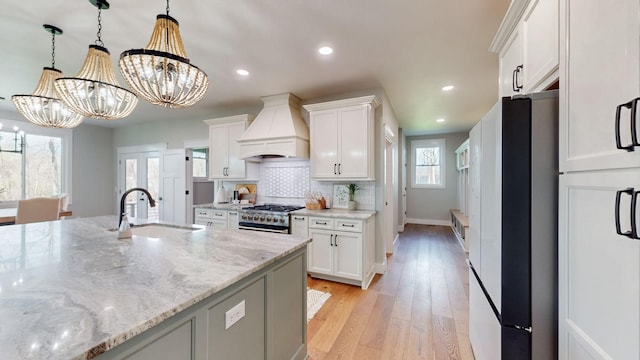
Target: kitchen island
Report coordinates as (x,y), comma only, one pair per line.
(71,290)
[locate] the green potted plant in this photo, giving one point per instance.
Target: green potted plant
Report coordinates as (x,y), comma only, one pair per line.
(352,195)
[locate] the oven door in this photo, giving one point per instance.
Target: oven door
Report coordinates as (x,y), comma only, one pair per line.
(263,227)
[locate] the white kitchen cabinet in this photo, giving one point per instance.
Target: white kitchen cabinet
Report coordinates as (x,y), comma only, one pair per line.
(342,139)
(599,270)
(224,152)
(600,73)
(527,45)
(598,250)
(342,250)
(233,220)
(212,218)
(300,225)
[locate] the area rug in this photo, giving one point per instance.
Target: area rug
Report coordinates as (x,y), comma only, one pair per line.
(315,300)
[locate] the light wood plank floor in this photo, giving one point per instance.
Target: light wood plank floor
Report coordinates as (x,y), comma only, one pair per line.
(418,310)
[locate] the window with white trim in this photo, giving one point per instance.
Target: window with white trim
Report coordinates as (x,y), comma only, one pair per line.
(34,161)
(428,163)
(200,162)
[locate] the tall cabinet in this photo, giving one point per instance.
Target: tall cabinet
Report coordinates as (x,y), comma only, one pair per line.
(599,246)
(342,139)
(224,152)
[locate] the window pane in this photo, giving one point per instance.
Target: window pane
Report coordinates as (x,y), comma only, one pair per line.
(131,181)
(153,185)
(428,156)
(43,173)
(428,175)
(10,176)
(200,162)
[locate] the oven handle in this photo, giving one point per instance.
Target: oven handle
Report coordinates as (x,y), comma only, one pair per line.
(283,231)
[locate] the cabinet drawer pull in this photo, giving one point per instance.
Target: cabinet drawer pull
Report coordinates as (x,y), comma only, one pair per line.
(233,213)
(348,225)
(631,233)
(518,69)
(335,240)
(331,240)
(321,223)
(334,169)
(634,225)
(632,105)
(218,215)
(298,218)
(513,80)
(339,169)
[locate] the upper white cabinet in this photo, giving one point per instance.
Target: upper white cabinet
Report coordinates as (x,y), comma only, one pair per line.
(600,84)
(342,139)
(599,154)
(224,152)
(527,44)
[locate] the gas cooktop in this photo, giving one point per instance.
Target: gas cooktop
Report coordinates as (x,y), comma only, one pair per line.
(273,208)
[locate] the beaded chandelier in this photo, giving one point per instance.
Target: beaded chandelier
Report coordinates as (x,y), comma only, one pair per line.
(44,107)
(95,91)
(161,73)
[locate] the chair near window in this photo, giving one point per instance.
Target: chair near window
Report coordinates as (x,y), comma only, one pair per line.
(37,209)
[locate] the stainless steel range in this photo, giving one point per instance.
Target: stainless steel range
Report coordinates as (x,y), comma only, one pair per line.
(269,217)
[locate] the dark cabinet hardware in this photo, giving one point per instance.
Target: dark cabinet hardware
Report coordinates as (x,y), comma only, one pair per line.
(335,172)
(631,233)
(632,105)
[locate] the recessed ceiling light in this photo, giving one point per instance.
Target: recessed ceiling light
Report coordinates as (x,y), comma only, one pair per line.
(447,88)
(325,50)
(242,72)
(440,120)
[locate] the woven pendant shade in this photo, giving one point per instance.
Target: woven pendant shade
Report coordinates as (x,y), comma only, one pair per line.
(161,73)
(94,91)
(43,107)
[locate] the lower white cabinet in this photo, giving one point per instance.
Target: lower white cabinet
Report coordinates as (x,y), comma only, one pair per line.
(599,269)
(342,250)
(232,220)
(300,225)
(212,218)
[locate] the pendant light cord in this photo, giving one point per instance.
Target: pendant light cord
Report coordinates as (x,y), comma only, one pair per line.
(53,49)
(99,40)
(167,7)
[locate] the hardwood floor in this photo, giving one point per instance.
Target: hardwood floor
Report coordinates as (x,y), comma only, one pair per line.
(418,310)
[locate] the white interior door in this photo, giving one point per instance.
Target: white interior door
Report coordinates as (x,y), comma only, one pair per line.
(139,169)
(172,199)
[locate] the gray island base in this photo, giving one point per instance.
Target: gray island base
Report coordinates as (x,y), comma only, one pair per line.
(70,290)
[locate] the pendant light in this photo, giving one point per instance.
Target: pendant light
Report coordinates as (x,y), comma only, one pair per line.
(95,91)
(44,107)
(161,73)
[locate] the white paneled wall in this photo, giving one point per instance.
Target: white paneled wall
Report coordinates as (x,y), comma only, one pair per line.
(287,181)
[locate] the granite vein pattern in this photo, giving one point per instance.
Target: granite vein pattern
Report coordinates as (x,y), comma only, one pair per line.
(337,213)
(71,290)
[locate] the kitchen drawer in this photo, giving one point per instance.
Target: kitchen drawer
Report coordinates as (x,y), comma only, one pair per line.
(203,213)
(218,214)
(349,225)
(320,223)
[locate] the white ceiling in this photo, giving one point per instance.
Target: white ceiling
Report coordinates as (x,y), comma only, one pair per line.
(411,48)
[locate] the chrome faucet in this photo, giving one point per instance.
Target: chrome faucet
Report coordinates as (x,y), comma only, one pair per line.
(152,202)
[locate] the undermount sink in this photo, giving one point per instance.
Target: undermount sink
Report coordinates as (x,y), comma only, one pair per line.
(156,230)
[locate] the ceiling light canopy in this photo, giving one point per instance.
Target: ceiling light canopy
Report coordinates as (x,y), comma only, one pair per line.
(161,73)
(441,120)
(242,72)
(43,107)
(95,91)
(447,88)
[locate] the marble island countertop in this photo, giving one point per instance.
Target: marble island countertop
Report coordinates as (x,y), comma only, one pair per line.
(71,290)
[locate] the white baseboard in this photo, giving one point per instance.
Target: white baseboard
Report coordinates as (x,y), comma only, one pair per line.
(429,222)
(381,268)
(401,228)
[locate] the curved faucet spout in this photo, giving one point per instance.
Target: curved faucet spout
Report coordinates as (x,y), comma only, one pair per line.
(152,202)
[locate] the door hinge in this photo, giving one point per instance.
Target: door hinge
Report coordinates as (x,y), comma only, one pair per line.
(186,192)
(186,158)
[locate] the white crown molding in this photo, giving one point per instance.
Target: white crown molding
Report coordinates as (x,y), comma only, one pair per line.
(230,119)
(363,100)
(508,24)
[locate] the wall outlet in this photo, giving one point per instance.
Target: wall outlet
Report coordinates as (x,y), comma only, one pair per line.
(233,315)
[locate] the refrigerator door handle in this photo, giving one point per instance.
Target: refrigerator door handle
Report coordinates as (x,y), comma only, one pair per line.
(631,233)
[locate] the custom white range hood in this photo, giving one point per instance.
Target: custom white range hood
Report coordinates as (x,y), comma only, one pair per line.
(278,130)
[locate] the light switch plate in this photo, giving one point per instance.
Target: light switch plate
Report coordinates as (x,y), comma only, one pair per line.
(233,315)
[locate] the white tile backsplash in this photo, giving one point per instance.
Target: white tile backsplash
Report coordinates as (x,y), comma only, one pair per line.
(287,181)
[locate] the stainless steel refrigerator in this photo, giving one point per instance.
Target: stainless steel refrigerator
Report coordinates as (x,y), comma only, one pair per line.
(513,230)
